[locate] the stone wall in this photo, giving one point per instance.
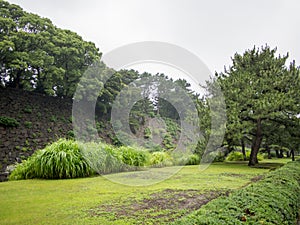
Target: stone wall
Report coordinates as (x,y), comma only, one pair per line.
(42,120)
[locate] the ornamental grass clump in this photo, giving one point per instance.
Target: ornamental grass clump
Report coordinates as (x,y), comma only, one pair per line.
(60,160)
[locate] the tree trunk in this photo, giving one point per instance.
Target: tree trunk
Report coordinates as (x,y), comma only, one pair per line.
(280,153)
(277,154)
(293,155)
(243,149)
(268,151)
(257,139)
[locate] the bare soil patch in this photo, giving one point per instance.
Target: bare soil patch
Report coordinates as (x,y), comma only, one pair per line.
(164,206)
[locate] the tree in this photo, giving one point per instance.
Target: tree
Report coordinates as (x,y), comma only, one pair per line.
(259,88)
(37,56)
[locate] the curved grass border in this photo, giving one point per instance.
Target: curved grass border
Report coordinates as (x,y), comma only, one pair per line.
(273,200)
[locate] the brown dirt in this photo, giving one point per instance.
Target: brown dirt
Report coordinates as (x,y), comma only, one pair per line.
(164,206)
(257,178)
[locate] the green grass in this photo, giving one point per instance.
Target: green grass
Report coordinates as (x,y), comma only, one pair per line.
(273,200)
(71,201)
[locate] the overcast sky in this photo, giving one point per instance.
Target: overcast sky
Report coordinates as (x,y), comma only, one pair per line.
(213,29)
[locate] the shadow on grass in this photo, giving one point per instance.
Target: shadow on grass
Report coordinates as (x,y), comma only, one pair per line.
(261,165)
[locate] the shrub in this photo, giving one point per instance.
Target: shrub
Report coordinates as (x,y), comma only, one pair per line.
(238,156)
(121,138)
(102,158)
(235,156)
(219,157)
(152,147)
(105,158)
(8,121)
(168,142)
(273,200)
(70,134)
(172,127)
(147,133)
(193,159)
(62,159)
(132,156)
(216,156)
(160,159)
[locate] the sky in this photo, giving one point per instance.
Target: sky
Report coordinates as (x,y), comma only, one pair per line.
(213,30)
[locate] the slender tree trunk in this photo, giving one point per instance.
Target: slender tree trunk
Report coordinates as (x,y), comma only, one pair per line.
(268,151)
(277,154)
(280,153)
(257,139)
(243,149)
(293,155)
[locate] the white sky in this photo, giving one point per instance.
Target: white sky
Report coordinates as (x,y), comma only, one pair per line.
(213,29)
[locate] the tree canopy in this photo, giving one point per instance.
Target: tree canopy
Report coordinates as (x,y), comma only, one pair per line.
(260,91)
(38,56)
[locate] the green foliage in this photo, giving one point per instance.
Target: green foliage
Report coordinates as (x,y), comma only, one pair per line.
(123,137)
(28,124)
(70,134)
(273,200)
(160,159)
(102,158)
(84,194)
(261,93)
(153,147)
(71,159)
(215,156)
(60,160)
(53,118)
(8,121)
(147,133)
(168,142)
(238,156)
(172,127)
(37,55)
(193,159)
(27,109)
(133,156)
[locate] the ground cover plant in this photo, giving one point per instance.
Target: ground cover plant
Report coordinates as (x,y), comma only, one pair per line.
(273,200)
(84,200)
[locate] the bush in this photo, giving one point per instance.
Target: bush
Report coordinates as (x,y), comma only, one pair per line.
(147,133)
(8,122)
(168,142)
(102,158)
(193,159)
(132,156)
(216,156)
(160,159)
(238,156)
(273,200)
(62,159)
(235,156)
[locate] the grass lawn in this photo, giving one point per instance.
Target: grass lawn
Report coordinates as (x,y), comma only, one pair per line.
(98,200)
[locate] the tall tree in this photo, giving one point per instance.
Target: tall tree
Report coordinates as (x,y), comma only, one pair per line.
(259,87)
(37,56)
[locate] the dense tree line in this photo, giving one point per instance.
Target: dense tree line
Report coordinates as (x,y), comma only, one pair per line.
(260,87)
(38,56)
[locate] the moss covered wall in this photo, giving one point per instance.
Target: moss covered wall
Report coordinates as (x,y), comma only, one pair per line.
(42,119)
